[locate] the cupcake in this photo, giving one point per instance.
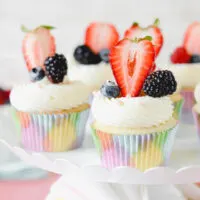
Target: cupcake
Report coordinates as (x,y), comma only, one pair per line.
(90,62)
(133,119)
(196,109)
(52,111)
(186,68)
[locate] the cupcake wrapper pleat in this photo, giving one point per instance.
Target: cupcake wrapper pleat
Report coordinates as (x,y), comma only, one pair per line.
(52,132)
(189,101)
(178,108)
(138,151)
(196,117)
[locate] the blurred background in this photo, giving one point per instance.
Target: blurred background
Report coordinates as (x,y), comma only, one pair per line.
(70,17)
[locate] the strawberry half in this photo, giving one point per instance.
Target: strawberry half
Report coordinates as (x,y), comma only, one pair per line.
(135,31)
(38,44)
(101,36)
(192,39)
(131,62)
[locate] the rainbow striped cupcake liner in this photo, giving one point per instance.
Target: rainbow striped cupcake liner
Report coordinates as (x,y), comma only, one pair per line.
(196,117)
(189,102)
(138,151)
(52,132)
(178,108)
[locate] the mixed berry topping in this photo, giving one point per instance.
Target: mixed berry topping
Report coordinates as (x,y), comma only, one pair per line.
(160,83)
(190,52)
(56,68)
(99,39)
(84,55)
(4,96)
(37,74)
(110,89)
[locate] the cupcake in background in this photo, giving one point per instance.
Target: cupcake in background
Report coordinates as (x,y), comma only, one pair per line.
(90,62)
(186,68)
(133,119)
(196,109)
(52,111)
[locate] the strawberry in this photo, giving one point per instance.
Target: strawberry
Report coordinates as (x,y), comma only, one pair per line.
(38,44)
(4,96)
(135,31)
(180,55)
(191,39)
(101,36)
(131,62)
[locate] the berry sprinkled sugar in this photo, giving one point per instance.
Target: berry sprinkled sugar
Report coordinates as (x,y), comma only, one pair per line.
(136,31)
(160,83)
(131,62)
(37,45)
(180,55)
(56,68)
(84,55)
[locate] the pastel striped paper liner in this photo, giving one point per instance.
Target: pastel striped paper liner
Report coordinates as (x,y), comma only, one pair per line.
(196,121)
(189,102)
(178,108)
(138,151)
(52,132)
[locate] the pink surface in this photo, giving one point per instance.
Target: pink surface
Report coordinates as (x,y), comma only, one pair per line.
(26,190)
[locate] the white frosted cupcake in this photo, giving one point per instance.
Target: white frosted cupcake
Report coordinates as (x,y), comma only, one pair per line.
(90,62)
(133,120)
(186,68)
(52,110)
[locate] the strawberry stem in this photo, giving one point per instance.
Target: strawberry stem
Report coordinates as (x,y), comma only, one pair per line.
(156,22)
(47,27)
(25,29)
(135,24)
(136,40)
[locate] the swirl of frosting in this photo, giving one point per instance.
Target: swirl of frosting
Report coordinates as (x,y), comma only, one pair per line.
(187,75)
(139,112)
(92,75)
(43,96)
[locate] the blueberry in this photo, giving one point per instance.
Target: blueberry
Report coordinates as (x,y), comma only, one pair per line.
(110,89)
(195,59)
(104,55)
(37,74)
(84,55)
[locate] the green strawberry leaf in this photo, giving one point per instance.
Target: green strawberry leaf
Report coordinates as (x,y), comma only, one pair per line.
(135,24)
(156,22)
(47,27)
(25,29)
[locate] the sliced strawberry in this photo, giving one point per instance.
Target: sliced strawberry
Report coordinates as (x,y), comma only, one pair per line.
(131,63)
(135,31)
(101,36)
(37,46)
(192,39)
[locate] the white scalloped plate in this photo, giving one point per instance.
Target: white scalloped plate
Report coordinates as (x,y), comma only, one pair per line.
(184,166)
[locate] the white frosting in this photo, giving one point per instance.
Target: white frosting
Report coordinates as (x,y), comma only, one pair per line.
(187,75)
(92,75)
(45,96)
(128,112)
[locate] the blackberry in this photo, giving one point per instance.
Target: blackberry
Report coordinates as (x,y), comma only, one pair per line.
(160,83)
(195,59)
(84,55)
(56,68)
(104,55)
(37,74)
(110,89)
